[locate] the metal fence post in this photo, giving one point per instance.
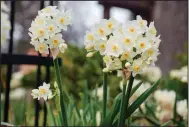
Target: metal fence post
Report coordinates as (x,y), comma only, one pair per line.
(9,70)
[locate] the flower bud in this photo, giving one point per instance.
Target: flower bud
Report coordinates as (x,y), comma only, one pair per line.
(105,70)
(184,79)
(90,54)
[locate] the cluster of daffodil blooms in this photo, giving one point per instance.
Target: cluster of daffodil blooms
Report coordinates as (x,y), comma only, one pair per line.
(45,30)
(5,23)
(133,45)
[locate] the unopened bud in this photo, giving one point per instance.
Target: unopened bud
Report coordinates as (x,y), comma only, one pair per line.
(90,54)
(105,70)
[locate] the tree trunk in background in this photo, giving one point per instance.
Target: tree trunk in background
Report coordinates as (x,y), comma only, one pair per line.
(171,21)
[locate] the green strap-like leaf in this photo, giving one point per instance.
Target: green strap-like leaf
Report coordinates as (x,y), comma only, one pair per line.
(122,107)
(59,82)
(175,108)
(141,99)
(58,119)
(77,111)
(51,115)
(129,89)
(104,95)
(166,123)
(114,111)
(85,100)
(57,102)
(134,89)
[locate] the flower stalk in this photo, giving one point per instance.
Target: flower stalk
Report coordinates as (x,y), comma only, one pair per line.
(59,81)
(122,109)
(104,95)
(129,88)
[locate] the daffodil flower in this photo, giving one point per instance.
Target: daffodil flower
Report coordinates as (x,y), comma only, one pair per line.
(142,23)
(151,29)
(114,47)
(48,11)
(142,44)
(62,47)
(137,66)
(100,46)
(55,41)
(128,41)
(128,55)
(42,48)
(89,37)
(42,92)
(101,31)
(133,28)
(111,24)
(63,19)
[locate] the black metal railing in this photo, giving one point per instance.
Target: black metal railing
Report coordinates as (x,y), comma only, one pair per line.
(11,59)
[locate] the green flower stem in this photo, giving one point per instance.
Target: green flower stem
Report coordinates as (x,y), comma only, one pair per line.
(59,81)
(122,109)
(129,88)
(51,115)
(104,95)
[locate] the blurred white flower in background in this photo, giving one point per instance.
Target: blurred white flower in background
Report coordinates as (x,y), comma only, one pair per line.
(4,7)
(16,94)
(99,93)
(98,118)
(5,23)
(16,79)
(141,89)
(182,108)
(42,92)
(164,115)
(45,30)
(165,100)
(180,74)
(134,43)
(152,73)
